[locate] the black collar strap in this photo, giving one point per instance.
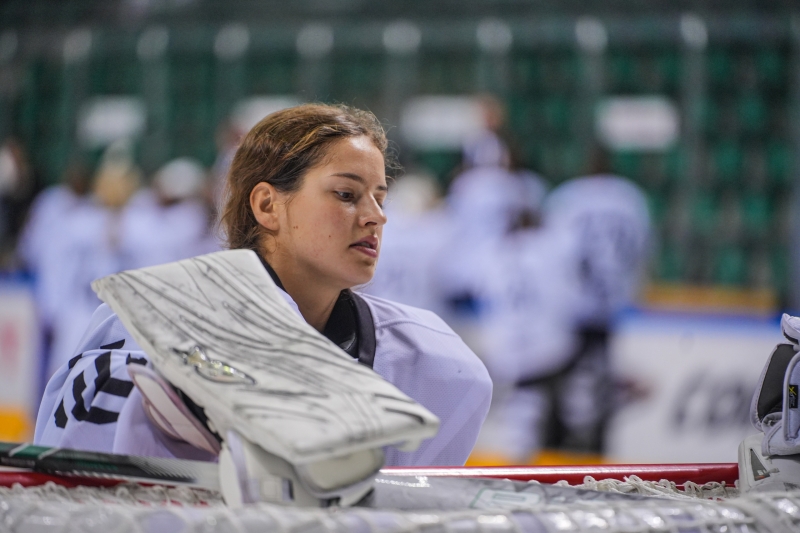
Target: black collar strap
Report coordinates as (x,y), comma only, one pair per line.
(366,331)
(350,325)
(271,272)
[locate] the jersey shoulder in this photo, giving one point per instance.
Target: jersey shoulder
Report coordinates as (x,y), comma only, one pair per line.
(420,342)
(388,314)
(105,329)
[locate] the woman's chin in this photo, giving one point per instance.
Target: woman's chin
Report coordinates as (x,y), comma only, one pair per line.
(359,276)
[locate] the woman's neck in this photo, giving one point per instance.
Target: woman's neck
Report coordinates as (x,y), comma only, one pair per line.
(314,298)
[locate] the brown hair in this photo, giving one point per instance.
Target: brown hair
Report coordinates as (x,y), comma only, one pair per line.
(280,150)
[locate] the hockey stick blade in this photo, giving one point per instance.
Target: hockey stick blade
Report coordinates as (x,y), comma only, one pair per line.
(392,489)
(106,466)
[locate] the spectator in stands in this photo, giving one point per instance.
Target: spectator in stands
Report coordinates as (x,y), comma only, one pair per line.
(19,185)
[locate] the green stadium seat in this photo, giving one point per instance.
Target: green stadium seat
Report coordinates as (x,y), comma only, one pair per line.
(356,79)
(441,162)
(756,215)
(728,225)
(720,68)
(526,72)
(704,214)
(533,156)
(270,74)
(561,160)
(780,269)
(675,167)
(522,116)
(727,162)
(573,160)
(447,73)
(708,115)
(730,266)
(752,113)
(556,115)
(627,164)
(657,206)
(669,64)
(771,66)
(560,72)
(655,72)
(622,74)
(759,269)
(779,162)
(671,264)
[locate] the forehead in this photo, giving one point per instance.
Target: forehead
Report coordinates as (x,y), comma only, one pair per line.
(355,152)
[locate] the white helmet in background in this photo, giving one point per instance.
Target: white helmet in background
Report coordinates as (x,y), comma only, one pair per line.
(413,194)
(180,179)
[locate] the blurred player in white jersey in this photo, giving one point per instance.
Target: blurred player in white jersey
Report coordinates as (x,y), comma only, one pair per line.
(47,209)
(485,201)
(609,216)
(168,221)
(607,219)
(417,231)
(83,246)
(528,332)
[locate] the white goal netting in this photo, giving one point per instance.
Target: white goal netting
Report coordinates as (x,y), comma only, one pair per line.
(711,508)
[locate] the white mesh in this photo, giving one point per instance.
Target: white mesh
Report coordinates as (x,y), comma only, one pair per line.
(135,509)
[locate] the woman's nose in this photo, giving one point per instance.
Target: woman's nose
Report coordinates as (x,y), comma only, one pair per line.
(373,214)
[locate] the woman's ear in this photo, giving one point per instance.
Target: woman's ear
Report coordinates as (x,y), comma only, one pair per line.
(263,202)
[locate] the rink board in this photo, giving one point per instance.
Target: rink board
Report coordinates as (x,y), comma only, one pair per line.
(19,361)
(701,372)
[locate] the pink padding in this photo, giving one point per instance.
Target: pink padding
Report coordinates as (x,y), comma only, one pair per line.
(168,412)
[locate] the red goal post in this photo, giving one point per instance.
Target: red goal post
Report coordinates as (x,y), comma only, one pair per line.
(699,473)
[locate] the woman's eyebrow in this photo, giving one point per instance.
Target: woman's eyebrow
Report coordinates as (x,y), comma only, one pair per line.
(356,177)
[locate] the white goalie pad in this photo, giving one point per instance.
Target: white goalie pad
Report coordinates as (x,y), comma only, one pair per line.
(775,408)
(764,473)
(217,327)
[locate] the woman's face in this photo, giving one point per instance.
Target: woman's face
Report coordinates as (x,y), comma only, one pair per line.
(331,227)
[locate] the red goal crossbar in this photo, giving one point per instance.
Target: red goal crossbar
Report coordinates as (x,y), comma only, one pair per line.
(699,473)
(679,474)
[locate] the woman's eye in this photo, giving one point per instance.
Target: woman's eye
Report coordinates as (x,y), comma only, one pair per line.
(347,196)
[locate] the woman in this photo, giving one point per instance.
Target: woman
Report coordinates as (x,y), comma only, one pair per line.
(305,192)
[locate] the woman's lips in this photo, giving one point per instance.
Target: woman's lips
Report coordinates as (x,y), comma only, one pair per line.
(364,249)
(368,246)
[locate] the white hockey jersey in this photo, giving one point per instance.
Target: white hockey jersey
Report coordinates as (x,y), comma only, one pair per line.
(153,234)
(483,204)
(530,290)
(91,403)
(410,256)
(83,247)
(608,218)
(47,212)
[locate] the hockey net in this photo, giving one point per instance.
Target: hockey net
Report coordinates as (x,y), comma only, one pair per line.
(34,503)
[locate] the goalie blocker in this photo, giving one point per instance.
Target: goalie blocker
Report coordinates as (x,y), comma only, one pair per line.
(770,460)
